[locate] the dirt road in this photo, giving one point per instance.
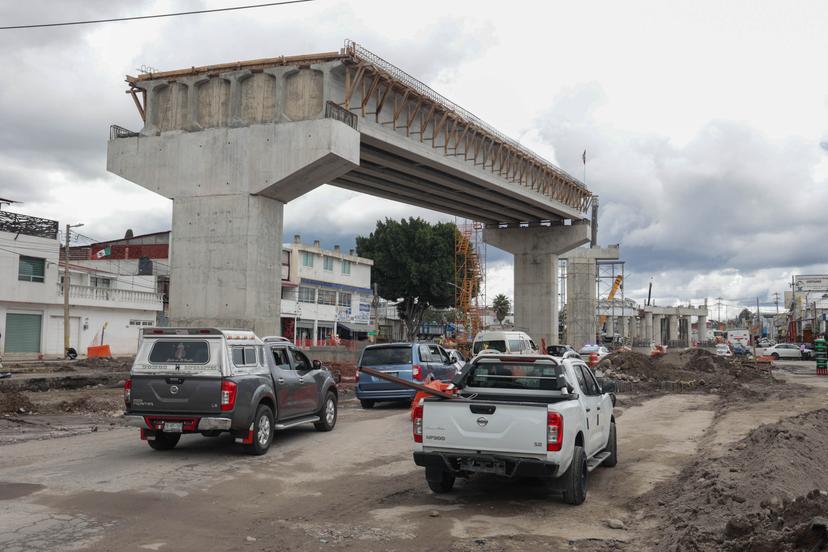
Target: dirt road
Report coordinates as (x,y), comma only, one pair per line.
(353,489)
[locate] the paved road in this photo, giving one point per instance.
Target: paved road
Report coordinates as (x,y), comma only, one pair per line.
(354,488)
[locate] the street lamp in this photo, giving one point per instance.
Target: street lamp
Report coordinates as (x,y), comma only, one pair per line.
(66,289)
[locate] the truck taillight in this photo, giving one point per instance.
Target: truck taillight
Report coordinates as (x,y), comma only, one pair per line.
(417,372)
(418,423)
(228,395)
(554,431)
(127,392)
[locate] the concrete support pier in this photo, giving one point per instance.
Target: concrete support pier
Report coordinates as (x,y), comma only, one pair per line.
(702,328)
(536,251)
(674,327)
(648,326)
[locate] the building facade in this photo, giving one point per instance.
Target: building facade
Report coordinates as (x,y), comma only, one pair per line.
(105,306)
(327,296)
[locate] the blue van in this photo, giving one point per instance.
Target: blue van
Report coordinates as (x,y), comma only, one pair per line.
(417,362)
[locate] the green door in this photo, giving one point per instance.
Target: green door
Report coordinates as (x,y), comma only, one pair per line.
(23,333)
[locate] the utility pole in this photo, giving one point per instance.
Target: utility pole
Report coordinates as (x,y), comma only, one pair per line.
(719,305)
(758,327)
(66,290)
(776,300)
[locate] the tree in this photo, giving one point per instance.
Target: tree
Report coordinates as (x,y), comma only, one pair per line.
(501,306)
(414,264)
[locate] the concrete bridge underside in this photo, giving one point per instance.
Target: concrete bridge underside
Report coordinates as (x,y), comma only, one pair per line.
(231,144)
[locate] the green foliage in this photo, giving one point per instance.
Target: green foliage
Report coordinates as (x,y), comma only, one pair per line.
(501,306)
(413,263)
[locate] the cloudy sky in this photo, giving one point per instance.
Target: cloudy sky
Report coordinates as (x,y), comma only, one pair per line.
(705,123)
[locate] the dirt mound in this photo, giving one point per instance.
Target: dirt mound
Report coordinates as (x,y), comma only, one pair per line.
(14,402)
(346,369)
(767,493)
(119,363)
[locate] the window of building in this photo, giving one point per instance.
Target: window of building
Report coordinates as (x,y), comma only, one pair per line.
(307,259)
(326,297)
(31,269)
(289,293)
(307,295)
(346,267)
(141,322)
(327,263)
(344,299)
(97,281)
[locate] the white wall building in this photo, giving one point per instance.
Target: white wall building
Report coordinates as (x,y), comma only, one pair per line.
(327,293)
(31,296)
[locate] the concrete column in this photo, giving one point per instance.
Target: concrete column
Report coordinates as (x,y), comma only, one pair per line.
(228,187)
(674,327)
(610,326)
(702,329)
(315,337)
(689,337)
(536,251)
(625,327)
(657,329)
(648,326)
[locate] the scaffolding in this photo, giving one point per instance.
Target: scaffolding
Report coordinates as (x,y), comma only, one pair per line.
(608,273)
(469,279)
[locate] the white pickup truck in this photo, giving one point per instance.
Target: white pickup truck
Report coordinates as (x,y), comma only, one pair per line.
(518,416)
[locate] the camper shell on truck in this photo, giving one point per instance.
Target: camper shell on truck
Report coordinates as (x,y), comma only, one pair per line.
(208,381)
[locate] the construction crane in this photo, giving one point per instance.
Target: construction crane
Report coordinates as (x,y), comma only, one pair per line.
(616,285)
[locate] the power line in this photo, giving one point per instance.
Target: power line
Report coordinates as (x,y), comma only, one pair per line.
(155,16)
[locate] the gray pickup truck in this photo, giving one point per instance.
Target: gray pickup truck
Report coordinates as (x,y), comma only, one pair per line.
(209,381)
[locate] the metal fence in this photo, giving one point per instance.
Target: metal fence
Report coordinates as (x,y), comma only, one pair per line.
(116,131)
(339,113)
(16,223)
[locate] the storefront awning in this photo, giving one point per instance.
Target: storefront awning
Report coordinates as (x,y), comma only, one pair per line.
(355,327)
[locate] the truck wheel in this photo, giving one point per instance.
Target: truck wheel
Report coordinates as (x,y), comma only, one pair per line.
(575,478)
(262,431)
(366,404)
(612,447)
(439,479)
(327,415)
(164,441)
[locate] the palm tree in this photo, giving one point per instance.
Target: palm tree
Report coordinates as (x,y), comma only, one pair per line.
(501,306)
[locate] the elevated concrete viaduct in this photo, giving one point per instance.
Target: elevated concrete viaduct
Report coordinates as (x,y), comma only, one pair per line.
(231,144)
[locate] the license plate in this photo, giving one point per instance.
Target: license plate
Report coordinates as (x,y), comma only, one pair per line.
(173,427)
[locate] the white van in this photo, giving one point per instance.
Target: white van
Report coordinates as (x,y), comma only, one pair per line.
(517,343)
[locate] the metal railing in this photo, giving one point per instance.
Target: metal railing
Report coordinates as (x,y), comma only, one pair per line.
(360,53)
(116,131)
(339,113)
(112,294)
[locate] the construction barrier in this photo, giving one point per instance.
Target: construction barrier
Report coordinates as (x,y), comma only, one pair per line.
(99,351)
(821,354)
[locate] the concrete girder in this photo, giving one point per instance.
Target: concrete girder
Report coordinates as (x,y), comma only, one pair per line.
(406,165)
(536,251)
(417,189)
(386,191)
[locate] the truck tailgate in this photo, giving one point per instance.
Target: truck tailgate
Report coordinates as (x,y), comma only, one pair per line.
(485,426)
(176,395)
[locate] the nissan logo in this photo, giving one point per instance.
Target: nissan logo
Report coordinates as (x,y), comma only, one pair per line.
(482,422)
(173,390)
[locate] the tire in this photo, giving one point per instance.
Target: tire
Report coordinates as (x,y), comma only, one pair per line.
(262,431)
(328,413)
(775,356)
(439,480)
(575,478)
(612,447)
(367,404)
(164,441)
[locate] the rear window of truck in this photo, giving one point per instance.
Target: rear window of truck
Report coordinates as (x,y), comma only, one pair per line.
(494,345)
(514,375)
(386,355)
(179,352)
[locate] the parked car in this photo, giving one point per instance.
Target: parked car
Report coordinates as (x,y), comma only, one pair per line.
(209,381)
(807,351)
(518,417)
(512,342)
(783,350)
(740,350)
(457,357)
(417,362)
(560,351)
(765,342)
(723,350)
(587,350)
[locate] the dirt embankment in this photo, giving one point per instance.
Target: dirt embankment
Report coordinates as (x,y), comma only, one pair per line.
(14,402)
(690,370)
(768,493)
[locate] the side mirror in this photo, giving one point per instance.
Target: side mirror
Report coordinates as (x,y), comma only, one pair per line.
(317,365)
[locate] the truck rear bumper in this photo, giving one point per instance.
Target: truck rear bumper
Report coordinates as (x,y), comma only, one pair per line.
(508,466)
(201,423)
